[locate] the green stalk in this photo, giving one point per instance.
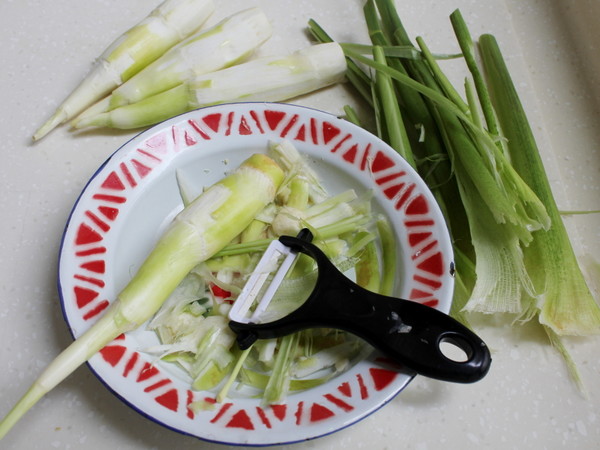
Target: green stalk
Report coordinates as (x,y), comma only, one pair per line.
(475,159)
(501,278)
(388,257)
(368,273)
(440,77)
(397,51)
(351,116)
(198,232)
(378,114)
(468,50)
(390,95)
(565,302)
(335,229)
(279,382)
(239,364)
(394,125)
(464,280)
(391,22)
(340,227)
(260,380)
(213,360)
(434,164)
(254,231)
(298,197)
(500,186)
(148,111)
(423,111)
(571,212)
(472,102)
(258,245)
(403,78)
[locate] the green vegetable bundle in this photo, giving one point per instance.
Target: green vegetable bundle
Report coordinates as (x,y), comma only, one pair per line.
(479,157)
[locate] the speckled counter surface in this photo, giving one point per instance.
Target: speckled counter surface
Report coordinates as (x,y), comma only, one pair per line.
(526,401)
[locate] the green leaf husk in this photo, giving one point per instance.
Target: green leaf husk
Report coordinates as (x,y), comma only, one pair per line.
(564,300)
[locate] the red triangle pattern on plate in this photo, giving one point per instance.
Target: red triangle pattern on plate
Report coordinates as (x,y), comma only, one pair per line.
(240,420)
(417,238)
(319,412)
(213,121)
(112,354)
(83,296)
(90,253)
(330,131)
(301,134)
(109,212)
(113,181)
(141,169)
(146,372)
(87,235)
(169,399)
(158,142)
(244,128)
(96,266)
(148,376)
(288,126)
(279,411)
(382,378)
(273,118)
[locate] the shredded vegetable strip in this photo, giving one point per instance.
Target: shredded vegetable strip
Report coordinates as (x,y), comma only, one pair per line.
(348,233)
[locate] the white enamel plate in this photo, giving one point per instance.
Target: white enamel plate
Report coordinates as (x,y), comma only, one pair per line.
(128,202)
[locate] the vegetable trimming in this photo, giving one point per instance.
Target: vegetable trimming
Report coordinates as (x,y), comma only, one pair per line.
(205,226)
(192,325)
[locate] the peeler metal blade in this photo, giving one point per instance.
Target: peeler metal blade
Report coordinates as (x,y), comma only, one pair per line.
(278,255)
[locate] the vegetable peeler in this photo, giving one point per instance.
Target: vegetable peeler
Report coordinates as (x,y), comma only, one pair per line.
(405,331)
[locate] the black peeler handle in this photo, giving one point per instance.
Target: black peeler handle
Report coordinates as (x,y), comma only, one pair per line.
(406,331)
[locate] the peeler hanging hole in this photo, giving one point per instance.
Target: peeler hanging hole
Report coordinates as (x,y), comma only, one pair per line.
(455,348)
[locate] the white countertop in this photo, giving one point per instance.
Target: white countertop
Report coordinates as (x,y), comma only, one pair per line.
(526,401)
